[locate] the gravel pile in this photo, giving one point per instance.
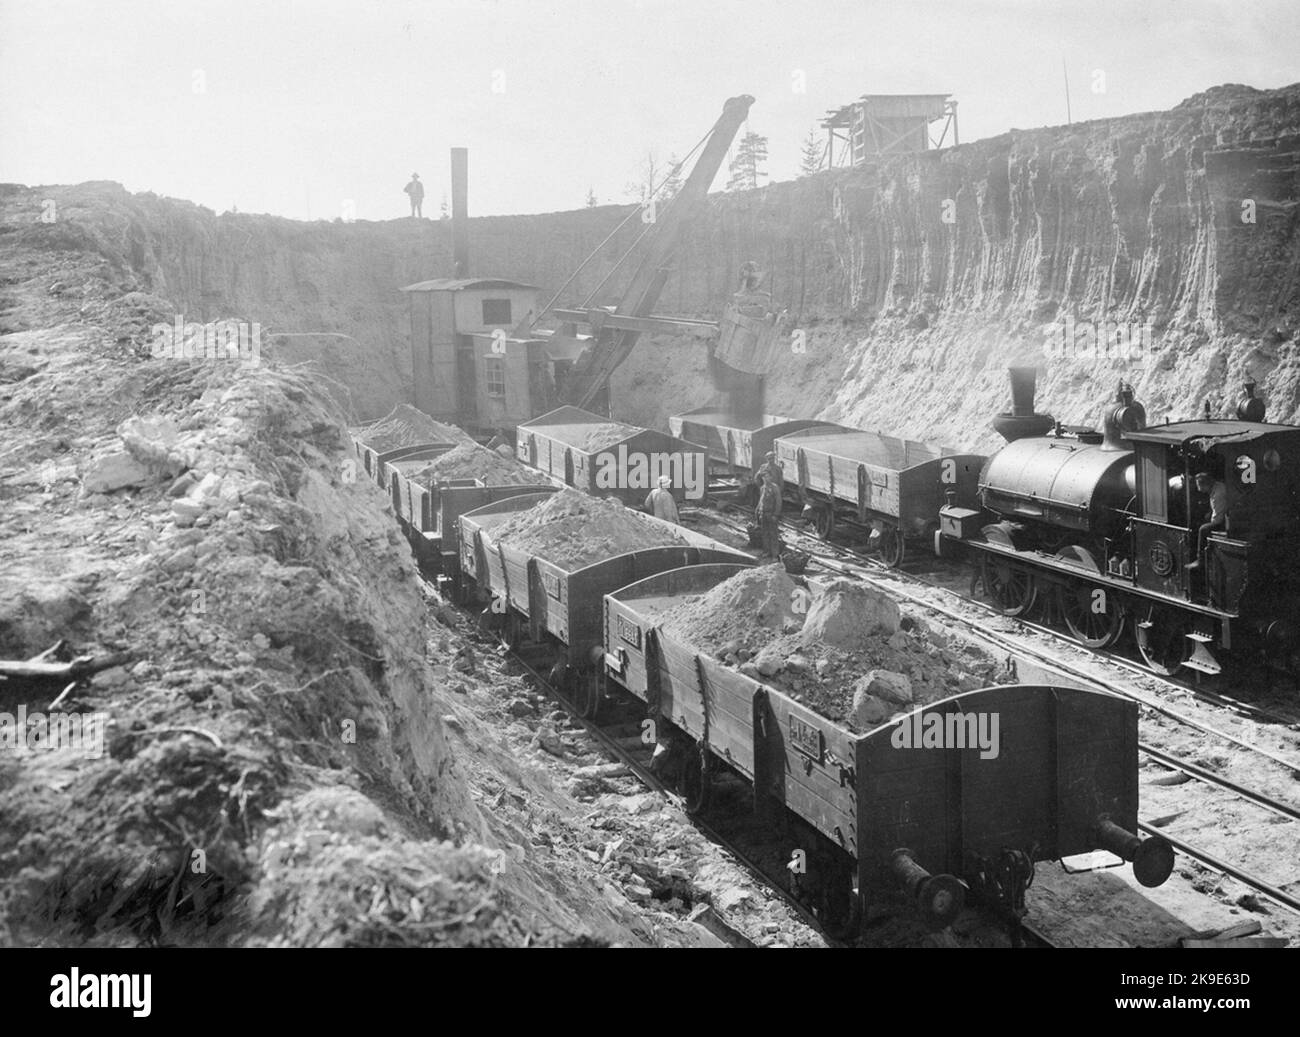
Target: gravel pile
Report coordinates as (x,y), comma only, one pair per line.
(472,461)
(405,425)
(572,529)
(838,648)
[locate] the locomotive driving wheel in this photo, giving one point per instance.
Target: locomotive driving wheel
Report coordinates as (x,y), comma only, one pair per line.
(1012,588)
(1162,639)
(1092,613)
(892,546)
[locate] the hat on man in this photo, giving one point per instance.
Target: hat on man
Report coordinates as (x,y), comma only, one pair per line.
(664,481)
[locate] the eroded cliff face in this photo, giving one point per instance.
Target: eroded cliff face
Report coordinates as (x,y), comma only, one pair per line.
(917,283)
(914,284)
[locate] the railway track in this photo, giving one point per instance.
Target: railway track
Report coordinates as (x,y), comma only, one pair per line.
(831,557)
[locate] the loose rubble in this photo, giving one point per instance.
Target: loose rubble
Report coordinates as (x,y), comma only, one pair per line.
(403,426)
(472,461)
(572,529)
(839,648)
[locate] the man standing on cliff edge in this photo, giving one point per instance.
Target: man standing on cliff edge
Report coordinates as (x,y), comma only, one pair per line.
(416,190)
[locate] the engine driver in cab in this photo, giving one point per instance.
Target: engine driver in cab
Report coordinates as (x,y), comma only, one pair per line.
(1218,518)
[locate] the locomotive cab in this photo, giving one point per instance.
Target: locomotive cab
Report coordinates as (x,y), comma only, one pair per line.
(1259,544)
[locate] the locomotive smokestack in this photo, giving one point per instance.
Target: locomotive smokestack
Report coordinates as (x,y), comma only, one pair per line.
(1023,382)
(460,211)
(1251,407)
(1021,421)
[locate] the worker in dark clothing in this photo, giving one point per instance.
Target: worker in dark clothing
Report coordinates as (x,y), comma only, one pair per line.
(1218,492)
(767,515)
(771,468)
(416,190)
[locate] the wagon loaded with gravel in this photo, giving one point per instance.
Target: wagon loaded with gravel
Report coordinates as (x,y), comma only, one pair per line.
(903,790)
(545,563)
(608,458)
(432,484)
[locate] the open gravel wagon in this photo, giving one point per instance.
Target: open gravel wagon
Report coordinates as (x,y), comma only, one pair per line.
(607,458)
(894,486)
(928,800)
(735,445)
(446,502)
(480,561)
(563,604)
(705,700)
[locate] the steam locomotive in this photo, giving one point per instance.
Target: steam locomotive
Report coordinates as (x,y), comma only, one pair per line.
(1110,531)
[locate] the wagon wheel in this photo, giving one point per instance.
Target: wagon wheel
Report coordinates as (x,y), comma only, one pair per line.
(1163,644)
(824,521)
(1092,613)
(839,907)
(892,546)
(516,630)
(1012,588)
(696,782)
(588,693)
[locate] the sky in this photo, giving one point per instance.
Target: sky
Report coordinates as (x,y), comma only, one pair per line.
(315,109)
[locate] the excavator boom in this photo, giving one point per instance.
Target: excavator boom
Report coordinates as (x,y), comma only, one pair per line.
(612,344)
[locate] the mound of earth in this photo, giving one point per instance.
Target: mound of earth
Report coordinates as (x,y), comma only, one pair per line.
(405,425)
(841,648)
(574,530)
(472,461)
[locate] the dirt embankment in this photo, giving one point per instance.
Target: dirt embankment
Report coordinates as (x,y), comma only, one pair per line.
(286,747)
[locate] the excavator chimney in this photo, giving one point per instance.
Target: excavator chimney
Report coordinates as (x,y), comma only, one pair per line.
(1123,415)
(1251,407)
(460,211)
(1021,421)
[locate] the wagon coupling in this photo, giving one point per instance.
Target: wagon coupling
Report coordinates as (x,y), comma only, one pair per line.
(939,897)
(1153,859)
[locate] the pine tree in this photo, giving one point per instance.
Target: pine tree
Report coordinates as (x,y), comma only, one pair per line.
(744,166)
(591,198)
(812,154)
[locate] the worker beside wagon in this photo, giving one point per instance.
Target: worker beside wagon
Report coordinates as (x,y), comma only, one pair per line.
(768,514)
(771,468)
(660,501)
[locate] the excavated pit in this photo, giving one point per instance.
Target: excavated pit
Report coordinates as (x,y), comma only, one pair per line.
(299,749)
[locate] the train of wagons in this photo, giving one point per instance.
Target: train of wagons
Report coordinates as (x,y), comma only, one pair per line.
(858,810)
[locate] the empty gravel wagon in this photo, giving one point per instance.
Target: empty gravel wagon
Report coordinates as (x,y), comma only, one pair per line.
(892,487)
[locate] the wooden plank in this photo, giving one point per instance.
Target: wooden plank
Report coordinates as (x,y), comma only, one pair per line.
(811,763)
(730,698)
